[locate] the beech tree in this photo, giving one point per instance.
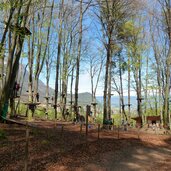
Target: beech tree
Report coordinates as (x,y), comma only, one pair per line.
(166,9)
(95,68)
(19,31)
(112,14)
(58,54)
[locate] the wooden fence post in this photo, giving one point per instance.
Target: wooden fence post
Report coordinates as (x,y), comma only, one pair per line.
(26,149)
(114,131)
(138,132)
(118,131)
(62,130)
(55,124)
(98,131)
(88,109)
(81,128)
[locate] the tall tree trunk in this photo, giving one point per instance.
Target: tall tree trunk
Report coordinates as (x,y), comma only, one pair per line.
(22,83)
(159,75)
(71,87)
(48,58)
(146,87)
(109,87)
(105,110)
(167,88)
(78,58)
(58,56)
(95,89)
(129,88)
(64,82)
(39,62)
(6,28)
(121,89)
(7,88)
(48,63)
(30,61)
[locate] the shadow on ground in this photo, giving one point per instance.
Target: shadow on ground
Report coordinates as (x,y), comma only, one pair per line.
(54,149)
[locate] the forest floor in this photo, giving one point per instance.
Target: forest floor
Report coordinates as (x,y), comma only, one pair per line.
(64,148)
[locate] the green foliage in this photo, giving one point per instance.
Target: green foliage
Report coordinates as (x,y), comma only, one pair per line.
(40,112)
(51,114)
(152,112)
(129,30)
(24,55)
(5,6)
(99,119)
(117,119)
(22,109)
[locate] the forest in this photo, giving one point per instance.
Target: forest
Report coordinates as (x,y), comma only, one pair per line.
(122,45)
(115,47)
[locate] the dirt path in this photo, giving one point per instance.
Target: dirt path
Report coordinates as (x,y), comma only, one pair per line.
(123,155)
(53,150)
(136,158)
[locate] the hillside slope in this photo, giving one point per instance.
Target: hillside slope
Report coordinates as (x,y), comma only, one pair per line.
(83,98)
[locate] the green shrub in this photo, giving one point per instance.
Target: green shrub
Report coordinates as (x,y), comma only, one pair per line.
(40,112)
(99,119)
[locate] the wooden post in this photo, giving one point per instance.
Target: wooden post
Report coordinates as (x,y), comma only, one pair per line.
(88,109)
(113,131)
(98,131)
(139,132)
(55,124)
(62,130)
(118,131)
(26,148)
(80,128)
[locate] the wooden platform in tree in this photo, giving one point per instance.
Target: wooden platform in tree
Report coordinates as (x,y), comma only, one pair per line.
(48,97)
(24,123)
(28,91)
(16,97)
(94,104)
(58,105)
(32,106)
(30,103)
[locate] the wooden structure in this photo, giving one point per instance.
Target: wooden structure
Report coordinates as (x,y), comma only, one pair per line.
(94,104)
(94,107)
(88,109)
(140,99)
(15,97)
(47,97)
(55,106)
(153,119)
(20,30)
(31,106)
(138,120)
